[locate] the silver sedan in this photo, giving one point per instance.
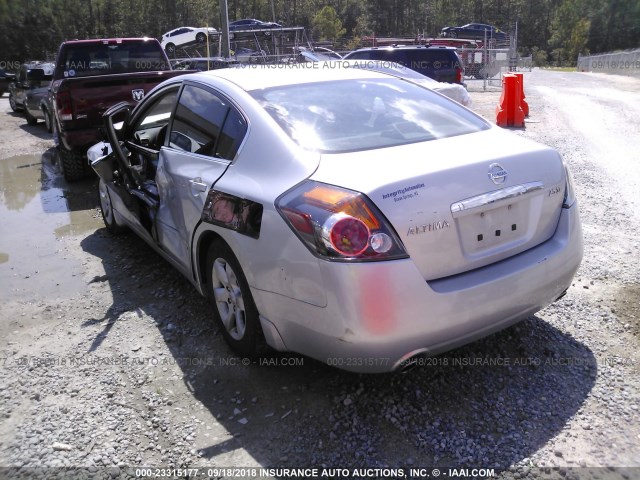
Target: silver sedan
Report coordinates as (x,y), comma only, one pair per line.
(343,214)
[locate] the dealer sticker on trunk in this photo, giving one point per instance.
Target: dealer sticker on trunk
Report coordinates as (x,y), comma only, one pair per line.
(404,193)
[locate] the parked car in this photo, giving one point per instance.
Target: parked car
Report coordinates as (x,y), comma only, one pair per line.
(452,90)
(252,24)
(327,52)
(440,63)
(37,106)
(185,36)
(247,55)
(318,54)
(6,78)
(89,77)
(474,31)
(31,76)
(204,63)
(329,212)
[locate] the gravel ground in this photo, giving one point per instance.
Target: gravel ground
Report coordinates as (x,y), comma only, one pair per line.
(109,358)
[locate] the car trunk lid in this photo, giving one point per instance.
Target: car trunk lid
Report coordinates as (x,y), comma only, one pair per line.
(462,202)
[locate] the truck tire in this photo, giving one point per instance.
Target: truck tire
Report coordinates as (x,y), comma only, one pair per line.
(48,121)
(73,164)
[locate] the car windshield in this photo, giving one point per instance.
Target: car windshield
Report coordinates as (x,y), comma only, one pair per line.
(102,59)
(352,115)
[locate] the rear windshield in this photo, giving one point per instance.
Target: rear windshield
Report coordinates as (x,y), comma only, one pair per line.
(84,60)
(351,115)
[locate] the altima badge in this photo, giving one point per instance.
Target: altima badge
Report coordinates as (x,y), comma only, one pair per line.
(429,227)
(497,174)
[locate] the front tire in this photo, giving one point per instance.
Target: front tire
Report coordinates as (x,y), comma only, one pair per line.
(201,38)
(108,214)
(233,305)
(170,48)
(452,35)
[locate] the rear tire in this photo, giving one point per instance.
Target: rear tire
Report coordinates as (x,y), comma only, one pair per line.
(170,48)
(106,207)
(201,38)
(31,120)
(12,103)
(233,305)
(73,164)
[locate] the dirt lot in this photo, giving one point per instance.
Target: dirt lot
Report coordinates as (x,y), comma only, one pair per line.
(109,359)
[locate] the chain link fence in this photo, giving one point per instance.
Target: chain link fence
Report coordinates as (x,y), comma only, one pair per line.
(619,63)
(484,68)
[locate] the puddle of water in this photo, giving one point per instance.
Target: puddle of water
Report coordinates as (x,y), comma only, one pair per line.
(37,211)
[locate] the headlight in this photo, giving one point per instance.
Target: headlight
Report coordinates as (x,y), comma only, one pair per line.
(569,192)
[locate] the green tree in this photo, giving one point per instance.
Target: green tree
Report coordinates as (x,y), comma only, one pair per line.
(327,25)
(540,57)
(578,39)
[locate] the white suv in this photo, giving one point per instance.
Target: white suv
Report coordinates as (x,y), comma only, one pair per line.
(185,35)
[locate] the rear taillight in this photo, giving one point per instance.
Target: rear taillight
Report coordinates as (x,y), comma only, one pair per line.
(346,235)
(339,224)
(63,106)
(458,75)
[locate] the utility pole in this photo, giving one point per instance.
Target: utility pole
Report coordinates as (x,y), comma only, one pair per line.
(225,45)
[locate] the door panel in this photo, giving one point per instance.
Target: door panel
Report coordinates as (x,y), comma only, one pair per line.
(183,180)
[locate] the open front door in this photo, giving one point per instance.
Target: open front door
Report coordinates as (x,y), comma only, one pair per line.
(136,149)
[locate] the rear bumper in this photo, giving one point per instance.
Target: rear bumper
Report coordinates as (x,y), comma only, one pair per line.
(380,314)
(80,139)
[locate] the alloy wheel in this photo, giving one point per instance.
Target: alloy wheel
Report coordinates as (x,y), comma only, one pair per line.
(228,298)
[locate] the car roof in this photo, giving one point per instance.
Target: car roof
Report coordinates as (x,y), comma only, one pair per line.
(407,47)
(256,77)
(387,67)
(210,59)
(108,40)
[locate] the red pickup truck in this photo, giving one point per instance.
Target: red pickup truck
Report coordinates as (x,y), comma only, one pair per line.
(89,77)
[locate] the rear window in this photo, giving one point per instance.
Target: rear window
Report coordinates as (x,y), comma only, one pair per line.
(84,60)
(351,115)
